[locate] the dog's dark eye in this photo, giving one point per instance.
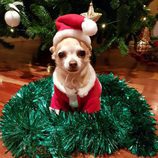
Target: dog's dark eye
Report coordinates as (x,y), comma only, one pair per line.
(81,53)
(61,54)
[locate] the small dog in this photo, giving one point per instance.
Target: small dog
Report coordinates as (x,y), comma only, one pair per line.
(76,86)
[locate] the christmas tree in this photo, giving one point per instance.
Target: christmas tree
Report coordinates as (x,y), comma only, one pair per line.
(121,21)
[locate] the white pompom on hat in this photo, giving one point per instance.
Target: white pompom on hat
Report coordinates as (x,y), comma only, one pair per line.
(76,26)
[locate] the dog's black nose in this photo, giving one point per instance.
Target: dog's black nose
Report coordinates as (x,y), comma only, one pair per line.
(73,64)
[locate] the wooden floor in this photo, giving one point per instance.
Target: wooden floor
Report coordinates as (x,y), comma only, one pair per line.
(15,72)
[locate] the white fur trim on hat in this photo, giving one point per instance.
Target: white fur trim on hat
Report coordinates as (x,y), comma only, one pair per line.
(89,27)
(60,35)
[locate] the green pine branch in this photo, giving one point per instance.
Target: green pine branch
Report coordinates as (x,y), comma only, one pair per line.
(122,46)
(123,17)
(40,12)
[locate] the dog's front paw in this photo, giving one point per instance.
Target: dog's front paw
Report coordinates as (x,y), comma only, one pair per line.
(56,110)
(82,92)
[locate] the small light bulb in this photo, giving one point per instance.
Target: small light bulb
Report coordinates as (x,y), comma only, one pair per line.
(103,26)
(12,30)
(144,6)
(144,18)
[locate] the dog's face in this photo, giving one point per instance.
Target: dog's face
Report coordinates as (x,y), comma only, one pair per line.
(71,55)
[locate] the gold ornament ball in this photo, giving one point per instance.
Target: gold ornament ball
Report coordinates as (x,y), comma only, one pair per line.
(142,47)
(12,18)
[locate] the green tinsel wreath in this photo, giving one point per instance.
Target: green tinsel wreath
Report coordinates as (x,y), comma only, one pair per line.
(29,129)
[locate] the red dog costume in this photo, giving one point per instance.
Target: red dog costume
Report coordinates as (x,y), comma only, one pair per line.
(89,103)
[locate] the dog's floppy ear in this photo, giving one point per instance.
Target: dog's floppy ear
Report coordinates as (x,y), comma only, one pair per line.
(52,50)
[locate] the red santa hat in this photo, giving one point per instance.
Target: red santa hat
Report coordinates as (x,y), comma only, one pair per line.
(76,26)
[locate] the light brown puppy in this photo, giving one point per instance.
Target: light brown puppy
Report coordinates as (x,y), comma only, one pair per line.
(73,74)
(73,69)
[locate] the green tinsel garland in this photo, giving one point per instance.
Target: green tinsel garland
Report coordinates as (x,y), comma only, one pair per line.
(29,129)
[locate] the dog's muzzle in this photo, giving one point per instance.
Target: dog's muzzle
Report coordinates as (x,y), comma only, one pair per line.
(73,66)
